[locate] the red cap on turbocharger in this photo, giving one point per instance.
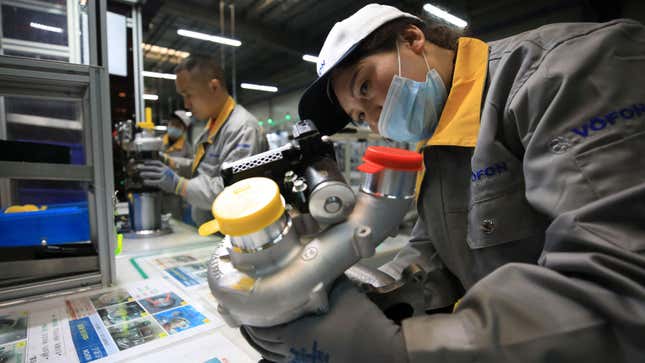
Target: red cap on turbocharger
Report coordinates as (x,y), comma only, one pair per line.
(377,158)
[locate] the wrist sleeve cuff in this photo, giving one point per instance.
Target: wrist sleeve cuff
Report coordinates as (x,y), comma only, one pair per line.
(180,189)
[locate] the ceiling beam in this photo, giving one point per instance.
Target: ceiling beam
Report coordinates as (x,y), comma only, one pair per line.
(271,37)
(293,76)
(274,72)
(286,9)
(262,6)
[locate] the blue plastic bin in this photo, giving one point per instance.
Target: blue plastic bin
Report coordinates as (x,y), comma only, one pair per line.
(58,224)
(50,196)
(76,151)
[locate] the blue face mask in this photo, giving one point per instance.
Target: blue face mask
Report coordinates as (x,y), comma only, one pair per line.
(174,132)
(411,110)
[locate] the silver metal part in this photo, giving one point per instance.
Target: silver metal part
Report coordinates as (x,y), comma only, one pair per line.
(290,177)
(361,241)
(274,255)
(390,183)
(291,279)
(262,239)
(125,130)
(146,141)
(299,185)
(365,275)
(145,211)
(148,233)
(305,224)
(406,290)
(298,189)
(331,202)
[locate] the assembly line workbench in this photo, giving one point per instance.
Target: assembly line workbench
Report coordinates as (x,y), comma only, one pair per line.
(184,238)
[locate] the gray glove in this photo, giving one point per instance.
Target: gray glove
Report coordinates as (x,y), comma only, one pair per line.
(167,159)
(354,330)
(157,174)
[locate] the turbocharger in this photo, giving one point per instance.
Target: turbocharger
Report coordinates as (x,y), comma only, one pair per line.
(272,273)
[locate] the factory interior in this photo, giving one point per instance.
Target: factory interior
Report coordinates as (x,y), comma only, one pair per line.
(191,181)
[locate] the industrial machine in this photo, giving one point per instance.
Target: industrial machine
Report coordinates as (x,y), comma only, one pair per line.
(294,226)
(307,174)
(144,202)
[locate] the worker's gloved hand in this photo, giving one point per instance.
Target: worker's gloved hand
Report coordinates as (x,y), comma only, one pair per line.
(157,174)
(132,167)
(354,330)
(167,159)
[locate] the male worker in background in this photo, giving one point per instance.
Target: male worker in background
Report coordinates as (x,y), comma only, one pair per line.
(532,201)
(231,133)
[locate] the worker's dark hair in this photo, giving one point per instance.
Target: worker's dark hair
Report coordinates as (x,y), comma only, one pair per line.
(384,38)
(206,67)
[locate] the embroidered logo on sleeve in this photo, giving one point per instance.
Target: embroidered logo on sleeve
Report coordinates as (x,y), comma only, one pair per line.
(489,171)
(599,123)
(303,356)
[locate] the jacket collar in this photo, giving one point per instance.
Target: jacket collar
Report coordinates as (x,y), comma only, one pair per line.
(176,146)
(459,122)
(214,125)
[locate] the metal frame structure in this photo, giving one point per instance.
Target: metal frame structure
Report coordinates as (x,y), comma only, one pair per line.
(73,40)
(72,51)
(5,187)
(37,5)
(88,84)
(137,62)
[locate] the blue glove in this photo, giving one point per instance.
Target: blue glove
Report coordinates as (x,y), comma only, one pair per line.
(354,330)
(157,174)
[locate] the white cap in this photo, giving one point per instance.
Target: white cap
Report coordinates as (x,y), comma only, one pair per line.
(316,104)
(183,116)
(346,34)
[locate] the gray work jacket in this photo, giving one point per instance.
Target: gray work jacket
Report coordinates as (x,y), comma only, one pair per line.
(240,136)
(542,224)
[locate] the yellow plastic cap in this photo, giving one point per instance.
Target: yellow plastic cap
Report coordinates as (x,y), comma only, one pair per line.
(208,228)
(146,125)
(24,208)
(245,207)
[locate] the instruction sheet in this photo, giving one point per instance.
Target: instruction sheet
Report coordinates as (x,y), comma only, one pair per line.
(187,269)
(119,324)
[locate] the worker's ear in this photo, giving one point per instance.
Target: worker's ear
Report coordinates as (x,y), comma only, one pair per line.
(214,84)
(414,38)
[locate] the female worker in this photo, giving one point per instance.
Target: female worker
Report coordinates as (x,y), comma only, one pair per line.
(177,151)
(532,201)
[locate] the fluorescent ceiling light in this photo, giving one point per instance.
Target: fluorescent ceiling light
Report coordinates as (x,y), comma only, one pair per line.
(159,75)
(164,51)
(210,38)
(150,97)
(310,58)
(445,15)
(258,87)
(46,27)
